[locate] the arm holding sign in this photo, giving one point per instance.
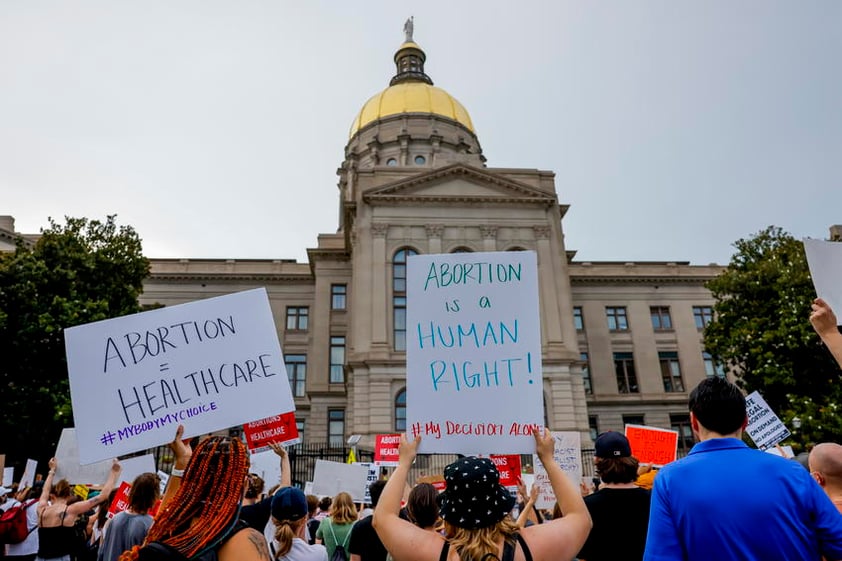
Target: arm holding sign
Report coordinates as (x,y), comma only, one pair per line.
(44,501)
(528,511)
(824,322)
(286,473)
(84,506)
(183,452)
(560,538)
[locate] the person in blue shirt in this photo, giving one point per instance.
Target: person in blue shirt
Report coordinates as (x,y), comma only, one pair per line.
(728,501)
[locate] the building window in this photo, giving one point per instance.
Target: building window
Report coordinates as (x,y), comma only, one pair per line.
(336,427)
(593,425)
(400,411)
(671,372)
(399,296)
(297,373)
(661,320)
(578,318)
(586,374)
(626,377)
(681,424)
(338,292)
(703,316)
(337,360)
(297,318)
(462,249)
(634,420)
(299,425)
(617,320)
(712,367)
(420,160)
(391,162)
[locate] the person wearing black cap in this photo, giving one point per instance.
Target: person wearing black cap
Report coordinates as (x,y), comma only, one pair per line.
(476,512)
(620,509)
(289,514)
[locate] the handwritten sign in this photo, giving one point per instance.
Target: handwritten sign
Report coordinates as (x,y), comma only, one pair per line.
(330,478)
(121,499)
(373,475)
(764,427)
(386,449)
(652,445)
(473,352)
(568,455)
(825,261)
(509,468)
(278,429)
(208,365)
(8,476)
(28,477)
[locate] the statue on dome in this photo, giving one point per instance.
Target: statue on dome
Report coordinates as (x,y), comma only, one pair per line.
(408,28)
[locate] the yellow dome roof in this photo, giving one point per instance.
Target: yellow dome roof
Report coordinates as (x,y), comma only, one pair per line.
(411,97)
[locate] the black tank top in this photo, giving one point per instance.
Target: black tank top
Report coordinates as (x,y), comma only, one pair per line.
(55,541)
(508,551)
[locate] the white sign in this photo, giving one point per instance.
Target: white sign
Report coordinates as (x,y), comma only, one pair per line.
(8,476)
(67,456)
(373,475)
(163,478)
(267,465)
(330,478)
(568,455)
(28,477)
(784,451)
(208,365)
(825,261)
(473,352)
(764,427)
(308,488)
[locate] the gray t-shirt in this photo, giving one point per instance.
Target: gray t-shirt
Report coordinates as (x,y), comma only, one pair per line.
(122,533)
(302,551)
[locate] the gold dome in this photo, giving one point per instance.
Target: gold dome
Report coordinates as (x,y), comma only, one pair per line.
(411,97)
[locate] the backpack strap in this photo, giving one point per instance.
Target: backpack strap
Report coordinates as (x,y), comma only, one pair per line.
(526,553)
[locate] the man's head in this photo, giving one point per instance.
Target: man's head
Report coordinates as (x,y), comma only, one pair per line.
(146,489)
(613,460)
(375,490)
(826,465)
(718,406)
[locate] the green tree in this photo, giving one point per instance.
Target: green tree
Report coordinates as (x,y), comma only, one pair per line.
(762,332)
(77,272)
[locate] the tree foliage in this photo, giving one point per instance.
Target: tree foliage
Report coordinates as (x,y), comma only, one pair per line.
(762,331)
(77,272)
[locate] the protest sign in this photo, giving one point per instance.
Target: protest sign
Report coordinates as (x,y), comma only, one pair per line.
(764,427)
(267,465)
(782,451)
(386,449)
(278,429)
(81,491)
(121,499)
(436,481)
(825,261)
(373,474)
(509,468)
(164,478)
(473,352)
(208,365)
(567,454)
(652,445)
(67,457)
(2,464)
(308,488)
(330,478)
(28,477)
(8,476)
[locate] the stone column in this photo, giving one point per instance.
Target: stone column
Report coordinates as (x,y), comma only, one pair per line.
(546,288)
(489,237)
(379,294)
(434,233)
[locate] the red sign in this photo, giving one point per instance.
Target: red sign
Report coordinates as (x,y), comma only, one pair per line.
(652,445)
(121,499)
(280,429)
(509,468)
(386,449)
(436,481)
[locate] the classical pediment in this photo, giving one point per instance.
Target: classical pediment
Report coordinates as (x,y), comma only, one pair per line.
(458,183)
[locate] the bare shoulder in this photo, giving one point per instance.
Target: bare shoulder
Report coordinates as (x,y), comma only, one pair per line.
(246,545)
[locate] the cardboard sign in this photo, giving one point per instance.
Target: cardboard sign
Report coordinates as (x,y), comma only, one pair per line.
(473,352)
(278,429)
(652,445)
(28,477)
(509,468)
(764,427)
(67,456)
(330,478)
(121,499)
(386,449)
(373,475)
(308,488)
(568,455)
(208,365)
(8,476)
(825,261)
(267,465)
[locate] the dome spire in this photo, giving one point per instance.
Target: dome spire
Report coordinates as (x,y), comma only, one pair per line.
(409,60)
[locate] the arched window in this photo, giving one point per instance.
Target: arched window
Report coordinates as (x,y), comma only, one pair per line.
(462,249)
(400,411)
(399,296)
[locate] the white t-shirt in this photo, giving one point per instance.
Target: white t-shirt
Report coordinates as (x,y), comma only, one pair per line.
(301,551)
(30,544)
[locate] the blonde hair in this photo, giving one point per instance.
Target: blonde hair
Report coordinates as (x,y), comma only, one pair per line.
(285,531)
(473,545)
(342,509)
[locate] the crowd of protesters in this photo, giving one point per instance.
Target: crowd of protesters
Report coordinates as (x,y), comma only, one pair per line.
(723,501)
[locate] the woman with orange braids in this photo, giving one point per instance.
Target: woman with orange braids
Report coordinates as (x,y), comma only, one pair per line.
(198,518)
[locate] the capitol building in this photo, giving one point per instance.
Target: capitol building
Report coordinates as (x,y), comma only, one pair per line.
(621,341)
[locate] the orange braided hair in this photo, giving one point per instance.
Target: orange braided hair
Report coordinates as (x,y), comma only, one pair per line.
(206,506)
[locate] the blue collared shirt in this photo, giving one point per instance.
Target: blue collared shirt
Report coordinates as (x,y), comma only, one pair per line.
(726,501)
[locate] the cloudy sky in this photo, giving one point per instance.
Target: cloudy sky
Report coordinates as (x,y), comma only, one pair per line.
(215,127)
